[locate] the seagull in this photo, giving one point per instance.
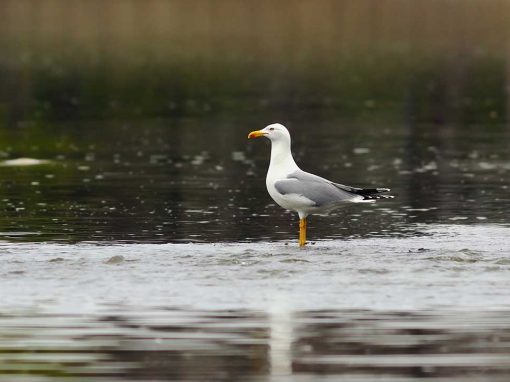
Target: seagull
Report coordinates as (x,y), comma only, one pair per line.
(302,192)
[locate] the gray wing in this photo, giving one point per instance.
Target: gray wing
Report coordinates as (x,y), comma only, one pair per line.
(319,190)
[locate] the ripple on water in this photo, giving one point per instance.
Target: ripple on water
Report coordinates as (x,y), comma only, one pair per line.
(117,259)
(180,344)
(293,260)
(170,273)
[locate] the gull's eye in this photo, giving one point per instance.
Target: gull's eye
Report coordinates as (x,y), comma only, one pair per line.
(271,128)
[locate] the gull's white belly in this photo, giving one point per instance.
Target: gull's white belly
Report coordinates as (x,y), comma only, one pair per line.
(293,202)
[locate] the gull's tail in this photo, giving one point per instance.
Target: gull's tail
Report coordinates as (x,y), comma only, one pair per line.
(368,194)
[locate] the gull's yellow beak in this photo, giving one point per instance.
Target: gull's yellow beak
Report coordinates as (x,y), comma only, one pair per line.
(256,134)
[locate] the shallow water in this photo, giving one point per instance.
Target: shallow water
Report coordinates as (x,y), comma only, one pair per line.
(434,305)
(445,266)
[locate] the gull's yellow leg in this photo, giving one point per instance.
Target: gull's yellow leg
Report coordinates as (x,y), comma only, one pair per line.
(302,232)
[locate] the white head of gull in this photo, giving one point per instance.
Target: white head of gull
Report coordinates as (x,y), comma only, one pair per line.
(302,192)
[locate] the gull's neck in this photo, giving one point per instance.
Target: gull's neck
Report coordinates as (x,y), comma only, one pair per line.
(282,163)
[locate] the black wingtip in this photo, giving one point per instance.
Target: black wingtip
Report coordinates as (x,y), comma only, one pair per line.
(373,197)
(370,191)
(376,193)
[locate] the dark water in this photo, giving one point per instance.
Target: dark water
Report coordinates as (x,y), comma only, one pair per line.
(137,238)
(199,179)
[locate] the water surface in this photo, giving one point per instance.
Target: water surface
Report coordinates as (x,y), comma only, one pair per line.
(431,305)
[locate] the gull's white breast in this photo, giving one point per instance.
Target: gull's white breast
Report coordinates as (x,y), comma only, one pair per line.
(293,202)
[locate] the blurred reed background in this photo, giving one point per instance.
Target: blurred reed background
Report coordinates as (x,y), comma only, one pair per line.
(392,59)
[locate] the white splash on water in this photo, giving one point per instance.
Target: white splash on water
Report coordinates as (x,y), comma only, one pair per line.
(23,162)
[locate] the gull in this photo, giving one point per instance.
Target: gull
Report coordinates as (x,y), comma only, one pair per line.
(302,192)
